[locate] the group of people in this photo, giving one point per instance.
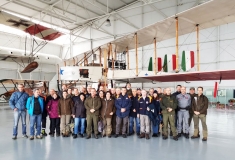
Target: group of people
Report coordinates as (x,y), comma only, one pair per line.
(120,111)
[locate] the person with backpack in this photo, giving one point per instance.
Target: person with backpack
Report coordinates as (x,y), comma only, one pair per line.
(107,111)
(17,103)
(52,109)
(79,115)
(35,107)
(65,111)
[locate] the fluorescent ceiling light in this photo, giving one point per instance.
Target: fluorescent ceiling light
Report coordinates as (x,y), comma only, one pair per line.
(108,23)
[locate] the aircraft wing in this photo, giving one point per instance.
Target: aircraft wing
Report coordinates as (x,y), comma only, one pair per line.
(29,27)
(187,77)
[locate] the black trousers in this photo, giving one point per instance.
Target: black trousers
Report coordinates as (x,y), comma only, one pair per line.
(44,120)
(55,125)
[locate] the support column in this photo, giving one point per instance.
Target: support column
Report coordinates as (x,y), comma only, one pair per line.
(100,56)
(128,60)
(136,53)
(198,49)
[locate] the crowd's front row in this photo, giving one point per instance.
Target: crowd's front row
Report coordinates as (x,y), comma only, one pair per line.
(114,109)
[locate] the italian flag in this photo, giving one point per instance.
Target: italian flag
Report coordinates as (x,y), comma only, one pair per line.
(169,63)
(187,60)
(159,64)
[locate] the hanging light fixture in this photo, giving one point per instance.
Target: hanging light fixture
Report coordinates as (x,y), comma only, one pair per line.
(107,23)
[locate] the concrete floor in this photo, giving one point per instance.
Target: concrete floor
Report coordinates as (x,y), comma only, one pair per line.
(220,144)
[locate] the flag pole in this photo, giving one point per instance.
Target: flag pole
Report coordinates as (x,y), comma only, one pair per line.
(177,43)
(155,56)
(198,48)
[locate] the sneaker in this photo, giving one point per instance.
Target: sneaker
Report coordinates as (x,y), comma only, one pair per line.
(38,137)
(204,139)
(44,133)
(14,137)
(24,136)
(31,138)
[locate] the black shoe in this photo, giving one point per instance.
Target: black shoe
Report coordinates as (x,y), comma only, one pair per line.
(96,136)
(82,135)
(130,134)
(155,135)
(109,135)
(194,137)
(164,137)
(171,134)
(14,137)
(75,136)
(103,135)
(116,136)
(124,136)
(186,135)
(179,135)
(204,139)
(88,137)
(52,135)
(57,134)
(63,135)
(138,134)
(175,138)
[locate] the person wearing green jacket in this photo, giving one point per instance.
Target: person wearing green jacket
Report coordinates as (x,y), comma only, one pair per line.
(169,105)
(92,105)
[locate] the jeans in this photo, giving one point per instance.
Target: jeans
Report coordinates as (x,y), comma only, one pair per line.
(156,128)
(131,124)
(17,115)
(79,123)
(35,119)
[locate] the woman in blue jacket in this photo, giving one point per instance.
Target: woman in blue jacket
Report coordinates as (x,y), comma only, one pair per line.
(35,107)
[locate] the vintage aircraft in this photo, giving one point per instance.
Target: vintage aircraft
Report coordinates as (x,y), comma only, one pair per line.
(207,15)
(27,60)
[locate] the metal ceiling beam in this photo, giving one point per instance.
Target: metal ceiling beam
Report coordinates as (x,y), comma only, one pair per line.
(158,11)
(124,19)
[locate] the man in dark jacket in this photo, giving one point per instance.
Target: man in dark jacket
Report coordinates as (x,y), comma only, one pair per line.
(168,105)
(133,114)
(17,103)
(200,111)
(144,103)
(92,104)
(123,105)
(192,94)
